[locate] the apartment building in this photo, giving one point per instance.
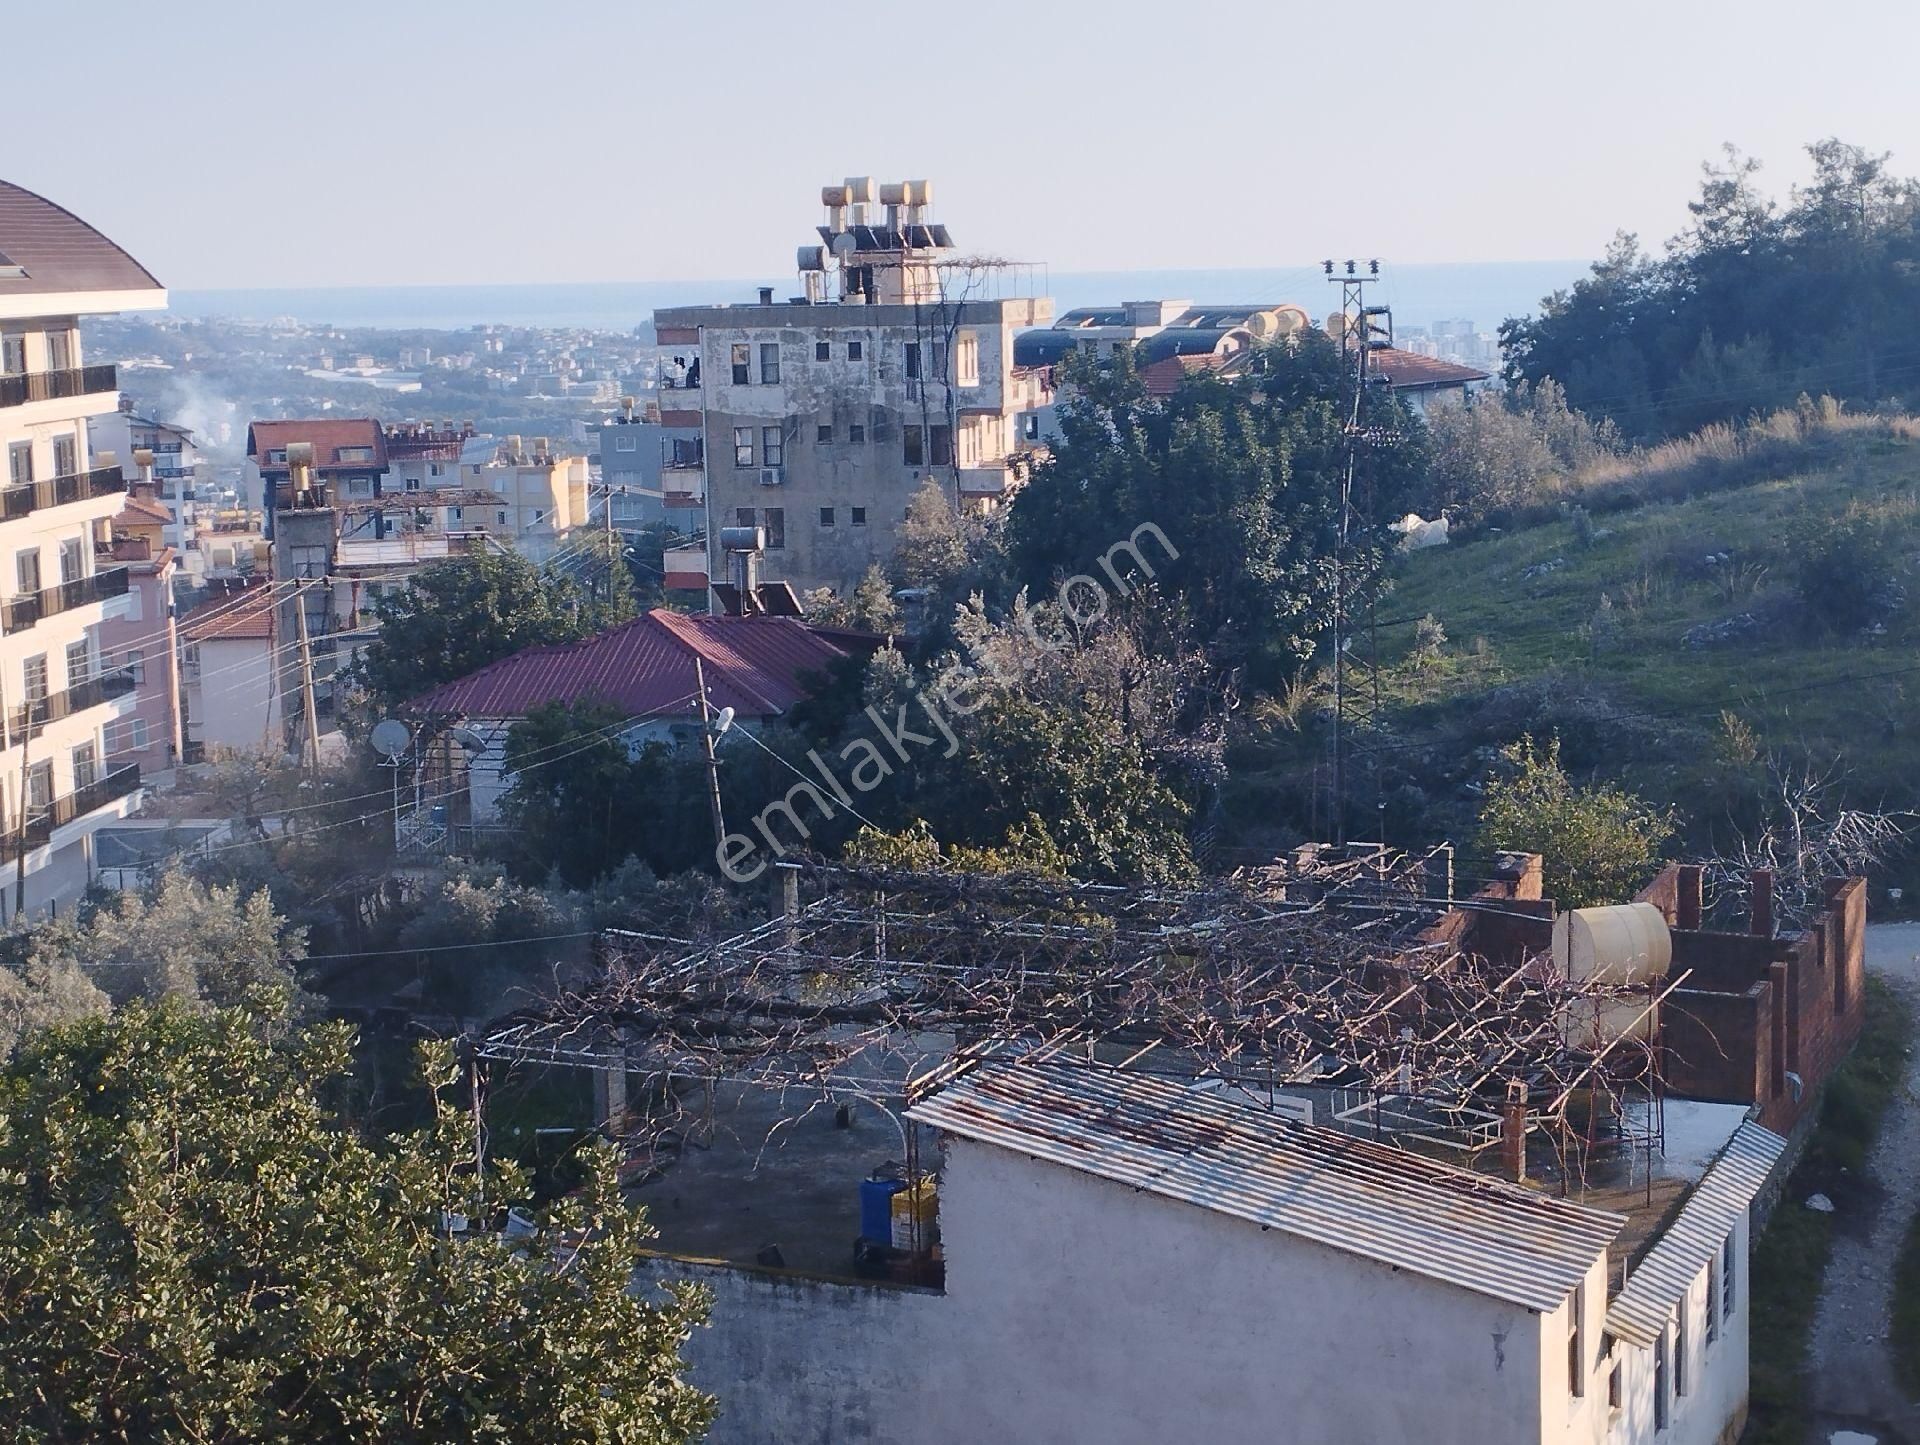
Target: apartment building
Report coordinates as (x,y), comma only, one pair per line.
(819,417)
(140,643)
(175,472)
(61,581)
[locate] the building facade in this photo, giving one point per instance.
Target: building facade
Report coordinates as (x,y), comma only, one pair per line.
(175,472)
(819,418)
(139,647)
(61,580)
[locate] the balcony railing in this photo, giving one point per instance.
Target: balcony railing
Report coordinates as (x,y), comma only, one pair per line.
(24,498)
(53,385)
(31,717)
(19,613)
(42,820)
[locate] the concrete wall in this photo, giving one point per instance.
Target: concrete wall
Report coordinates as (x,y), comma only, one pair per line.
(231,702)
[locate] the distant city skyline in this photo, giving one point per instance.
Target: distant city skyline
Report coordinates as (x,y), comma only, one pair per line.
(232,146)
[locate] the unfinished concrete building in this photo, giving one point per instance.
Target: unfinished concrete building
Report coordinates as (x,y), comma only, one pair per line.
(817,418)
(967,1157)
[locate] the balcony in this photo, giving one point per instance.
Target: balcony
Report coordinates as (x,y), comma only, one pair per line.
(19,613)
(24,498)
(30,719)
(44,819)
(54,385)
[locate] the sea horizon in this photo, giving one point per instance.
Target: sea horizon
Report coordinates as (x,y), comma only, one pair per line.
(1484,292)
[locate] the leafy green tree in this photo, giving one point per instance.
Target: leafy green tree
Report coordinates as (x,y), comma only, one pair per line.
(1027,848)
(195,1245)
(1597,844)
(871,607)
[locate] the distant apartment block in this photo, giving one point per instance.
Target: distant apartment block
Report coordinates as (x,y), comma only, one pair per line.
(818,417)
(61,579)
(175,471)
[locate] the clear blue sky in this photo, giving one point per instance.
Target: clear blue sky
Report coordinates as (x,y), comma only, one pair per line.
(347,142)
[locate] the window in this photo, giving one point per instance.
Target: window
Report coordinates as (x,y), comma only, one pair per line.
(939,361)
(826,516)
(625,442)
(823,435)
(353,454)
(277,457)
(773,447)
(856,351)
(769,363)
(823,351)
(1713,1298)
(77,667)
(857,432)
(1680,1348)
(66,456)
(912,449)
(1726,1278)
(413,484)
(942,446)
(13,354)
(134,663)
(857,516)
(59,350)
(500,518)
(966,359)
(744,517)
(73,559)
(453,513)
(1576,1356)
(135,605)
(1030,425)
(776,529)
(139,731)
(33,676)
(742,355)
(743,446)
(913,361)
(434,469)
(40,787)
(85,766)
(1662,1406)
(26,569)
(20,463)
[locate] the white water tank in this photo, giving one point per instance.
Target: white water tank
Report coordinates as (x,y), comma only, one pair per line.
(1623,945)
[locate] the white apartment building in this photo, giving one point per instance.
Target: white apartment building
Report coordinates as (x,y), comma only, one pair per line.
(818,418)
(56,572)
(176,471)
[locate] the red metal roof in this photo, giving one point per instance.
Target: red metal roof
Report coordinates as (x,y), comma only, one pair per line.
(754,665)
(1409,371)
(233,617)
(1164,376)
(327,437)
(59,251)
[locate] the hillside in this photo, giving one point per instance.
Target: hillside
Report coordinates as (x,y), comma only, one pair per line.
(1674,645)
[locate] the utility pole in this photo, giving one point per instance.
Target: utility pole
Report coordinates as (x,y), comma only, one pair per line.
(306,687)
(713,764)
(1364,329)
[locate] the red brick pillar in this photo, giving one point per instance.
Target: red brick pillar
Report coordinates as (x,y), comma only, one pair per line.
(1760,894)
(1687,907)
(1513,1131)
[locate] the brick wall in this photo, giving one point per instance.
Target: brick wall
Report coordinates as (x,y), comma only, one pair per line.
(1717,1043)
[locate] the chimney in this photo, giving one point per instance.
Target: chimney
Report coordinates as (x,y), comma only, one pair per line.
(1513,1131)
(766,295)
(1688,907)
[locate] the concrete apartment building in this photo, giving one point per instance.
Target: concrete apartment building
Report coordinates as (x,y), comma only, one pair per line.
(175,473)
(140,644)
(817,418)
(60,578)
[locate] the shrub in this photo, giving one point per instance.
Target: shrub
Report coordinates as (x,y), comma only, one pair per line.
(1843,573)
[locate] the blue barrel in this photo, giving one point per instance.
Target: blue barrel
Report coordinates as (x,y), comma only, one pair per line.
(876,1208)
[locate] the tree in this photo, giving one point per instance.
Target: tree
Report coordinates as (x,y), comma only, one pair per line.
(1597,844)
(194,1245)
(457,616)
(871,608)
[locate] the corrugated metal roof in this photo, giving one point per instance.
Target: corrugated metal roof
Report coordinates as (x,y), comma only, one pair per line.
(57,251)
(754,665)
(1646,1303)
(1410,371)
(1347,1194)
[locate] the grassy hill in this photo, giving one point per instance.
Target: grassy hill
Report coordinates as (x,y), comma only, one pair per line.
(1669,628)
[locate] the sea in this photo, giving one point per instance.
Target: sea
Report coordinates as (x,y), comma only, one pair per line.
(1482,292)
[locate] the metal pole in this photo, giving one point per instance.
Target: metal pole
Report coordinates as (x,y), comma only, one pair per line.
(306,687)
(713,764)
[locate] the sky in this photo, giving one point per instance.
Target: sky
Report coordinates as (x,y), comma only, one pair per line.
(408,142)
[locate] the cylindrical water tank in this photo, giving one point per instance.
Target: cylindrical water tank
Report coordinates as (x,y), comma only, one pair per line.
(1621,946)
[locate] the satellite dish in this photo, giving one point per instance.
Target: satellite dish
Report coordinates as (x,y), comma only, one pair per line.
(844,245)
(468,739)
(390,738)
(722,722)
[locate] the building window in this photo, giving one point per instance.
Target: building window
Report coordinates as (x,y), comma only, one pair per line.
(20,463)
(742,356)
(823,351)
(1713,1298)
(140,735)
(858,516)
(913,361)
(769,363)
(743,446)
(856,351)
(1576,1354)
(453,513)
(625,442)
(33,677)
(823,435)
(1030,423)
(942,450)
(66,456)
(26,570)
(912,448)
(1662,1405)
(744,517)
(73,559)
(857,432)
(40,788)
(85,766)
(826,516)
(500,519)
(939,361)
(346,455)
(776,529)
(773,447)
(1726,1278)
(60,350)
(77,668)
(966,359)
(1680,1348)
(277,457)
(413,484)
(13,354)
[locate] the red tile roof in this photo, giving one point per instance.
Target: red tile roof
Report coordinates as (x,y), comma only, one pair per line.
(755,665)
(1409,371)
(58,251)
(242,617)
(142,509)
(327,437)
(1164,376)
